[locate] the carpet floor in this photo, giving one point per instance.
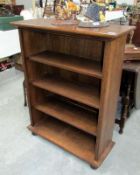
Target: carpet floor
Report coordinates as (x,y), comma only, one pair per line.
(24,154)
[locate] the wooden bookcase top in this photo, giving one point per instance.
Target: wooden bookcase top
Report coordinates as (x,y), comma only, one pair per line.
(112,31)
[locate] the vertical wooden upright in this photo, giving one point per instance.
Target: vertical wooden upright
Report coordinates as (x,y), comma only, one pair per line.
(112,69)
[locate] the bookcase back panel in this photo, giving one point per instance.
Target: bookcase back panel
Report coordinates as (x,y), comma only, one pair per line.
(39,71)
(68,44)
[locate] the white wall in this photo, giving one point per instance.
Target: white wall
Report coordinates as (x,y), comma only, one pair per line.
(26,3)
(125,1)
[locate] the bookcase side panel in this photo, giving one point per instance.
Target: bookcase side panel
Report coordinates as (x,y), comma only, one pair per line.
(29,47)
(112,70)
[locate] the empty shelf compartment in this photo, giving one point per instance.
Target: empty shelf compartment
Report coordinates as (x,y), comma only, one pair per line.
(67,137)
(88,95)
(69,62)
(70,113)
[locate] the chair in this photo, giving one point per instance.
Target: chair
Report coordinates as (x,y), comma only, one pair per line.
(130,85)
(19,66)
(24,91)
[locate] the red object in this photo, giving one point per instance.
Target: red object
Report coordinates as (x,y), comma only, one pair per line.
(16,9)
(6,65)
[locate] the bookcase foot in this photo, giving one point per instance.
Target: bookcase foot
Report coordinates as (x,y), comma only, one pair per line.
(34,134)
(93,167)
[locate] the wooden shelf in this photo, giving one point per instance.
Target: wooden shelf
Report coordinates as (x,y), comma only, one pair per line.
(86,95)
(71,114)
(71,63)
(67,137)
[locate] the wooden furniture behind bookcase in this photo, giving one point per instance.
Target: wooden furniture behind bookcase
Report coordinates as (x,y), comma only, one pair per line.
(73,79)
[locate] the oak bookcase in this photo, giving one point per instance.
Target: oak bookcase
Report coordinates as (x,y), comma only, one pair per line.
(73,77)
